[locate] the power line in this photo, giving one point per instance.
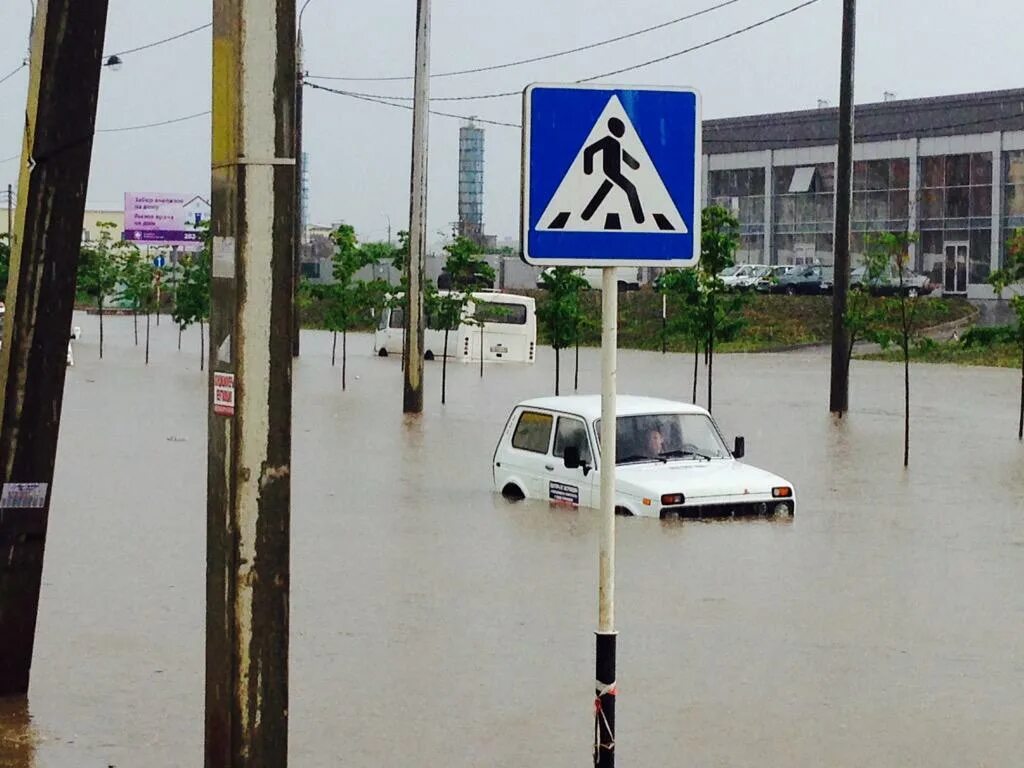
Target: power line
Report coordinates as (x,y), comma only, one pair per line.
(153,125)
(160,42)
(545,57)
(631,68)
(374,100)
(660,59)
(13,72)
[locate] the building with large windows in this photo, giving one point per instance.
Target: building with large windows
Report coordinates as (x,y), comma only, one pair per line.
(950,169)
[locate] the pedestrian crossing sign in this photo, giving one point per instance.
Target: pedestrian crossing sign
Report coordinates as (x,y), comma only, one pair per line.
(611,176)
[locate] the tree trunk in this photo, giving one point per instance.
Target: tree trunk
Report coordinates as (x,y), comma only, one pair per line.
(344,358)
(135,322)
(147,338)
(905,321)
(202,346)
(558,370)
(99,306)
(179,338)
(711,364)
(1020,427)
(334,347)
(696,364)
(576,372)
(444,370)
(906,405)
(481,350)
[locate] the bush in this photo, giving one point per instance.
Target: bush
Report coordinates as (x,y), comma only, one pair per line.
(990,336)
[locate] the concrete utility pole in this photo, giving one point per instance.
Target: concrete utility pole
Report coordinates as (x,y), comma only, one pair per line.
(248,480)
(412,401)
(839,399)
(299,170)
(60,118)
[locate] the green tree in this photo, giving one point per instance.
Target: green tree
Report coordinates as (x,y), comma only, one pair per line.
(192,291)
(466,271)
(139,289)
(893,249)
(561,311)
(1013,273)
(99,269)
(132,276)
(865,320)
(685,312)
(349,299)
(720,312)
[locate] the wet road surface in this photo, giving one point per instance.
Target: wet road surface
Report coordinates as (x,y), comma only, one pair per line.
(433,623)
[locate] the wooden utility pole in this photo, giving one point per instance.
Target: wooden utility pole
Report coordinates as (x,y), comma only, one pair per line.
(66,56)
(839,398)
(249,470)
(412,401)
(299,192)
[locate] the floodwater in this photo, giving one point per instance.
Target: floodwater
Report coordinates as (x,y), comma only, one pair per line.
(433,623)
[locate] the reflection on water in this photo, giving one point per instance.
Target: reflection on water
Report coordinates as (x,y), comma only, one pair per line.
(433,622)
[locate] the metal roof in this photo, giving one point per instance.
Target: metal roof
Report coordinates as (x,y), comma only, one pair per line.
(969,113)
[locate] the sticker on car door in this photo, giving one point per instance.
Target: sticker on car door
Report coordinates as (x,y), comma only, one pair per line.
(562,493)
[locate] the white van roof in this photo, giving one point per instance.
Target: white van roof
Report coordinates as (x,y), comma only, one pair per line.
(589,406)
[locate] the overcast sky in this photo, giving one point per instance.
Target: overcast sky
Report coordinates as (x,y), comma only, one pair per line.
(359,152)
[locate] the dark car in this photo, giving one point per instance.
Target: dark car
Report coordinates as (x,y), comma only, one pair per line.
(888,284)
(808,281)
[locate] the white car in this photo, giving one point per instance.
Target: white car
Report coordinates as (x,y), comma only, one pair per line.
(671,460)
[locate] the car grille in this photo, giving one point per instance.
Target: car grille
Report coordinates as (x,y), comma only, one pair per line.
(737,509)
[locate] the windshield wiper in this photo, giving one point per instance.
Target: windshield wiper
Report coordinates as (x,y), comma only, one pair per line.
(631,459)
(680,454)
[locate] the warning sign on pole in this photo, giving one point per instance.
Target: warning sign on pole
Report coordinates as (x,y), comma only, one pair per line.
(224,394)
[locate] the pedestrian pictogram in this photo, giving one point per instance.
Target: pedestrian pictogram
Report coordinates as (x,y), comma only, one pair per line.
(612,184)
(611,176)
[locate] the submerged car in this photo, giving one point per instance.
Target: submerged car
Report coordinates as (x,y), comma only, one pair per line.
(671,460)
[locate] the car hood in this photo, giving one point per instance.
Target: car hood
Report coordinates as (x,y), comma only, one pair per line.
(697,479)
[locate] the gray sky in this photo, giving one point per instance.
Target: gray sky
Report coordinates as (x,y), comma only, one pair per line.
(359,152)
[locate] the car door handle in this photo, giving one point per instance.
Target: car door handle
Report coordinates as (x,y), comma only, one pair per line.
(549,467)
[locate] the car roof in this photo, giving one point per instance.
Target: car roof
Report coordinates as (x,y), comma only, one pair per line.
(589,406)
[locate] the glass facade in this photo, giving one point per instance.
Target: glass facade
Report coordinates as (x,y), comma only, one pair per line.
(471,182)
(1013,194)
(803,214)
(948,200)
(742,192)
(955,219)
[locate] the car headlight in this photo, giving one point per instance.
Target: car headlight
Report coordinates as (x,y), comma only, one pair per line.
(782,492)
(673,499)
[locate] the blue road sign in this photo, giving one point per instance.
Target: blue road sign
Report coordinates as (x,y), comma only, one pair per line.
(611,176)
(159,262)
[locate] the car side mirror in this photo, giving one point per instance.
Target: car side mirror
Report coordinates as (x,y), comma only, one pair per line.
(572,460)
(740,449)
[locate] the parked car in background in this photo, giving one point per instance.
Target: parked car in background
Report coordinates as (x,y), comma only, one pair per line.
(753,275)
(815,280)
(771,276)
(739,276)
(889,283)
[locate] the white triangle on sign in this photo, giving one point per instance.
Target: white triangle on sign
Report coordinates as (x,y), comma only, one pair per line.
(600,201)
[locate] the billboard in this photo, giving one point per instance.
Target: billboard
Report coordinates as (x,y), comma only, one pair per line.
(166,219)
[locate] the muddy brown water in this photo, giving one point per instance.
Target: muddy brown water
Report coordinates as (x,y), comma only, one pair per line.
(433,623)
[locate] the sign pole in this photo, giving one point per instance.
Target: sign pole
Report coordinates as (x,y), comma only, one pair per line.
(605,693)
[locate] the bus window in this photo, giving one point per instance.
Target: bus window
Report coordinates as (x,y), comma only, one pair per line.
(496,312)
(397,318)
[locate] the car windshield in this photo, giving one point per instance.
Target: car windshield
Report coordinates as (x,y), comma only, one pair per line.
(666,437)
(761,271)
(729,271)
